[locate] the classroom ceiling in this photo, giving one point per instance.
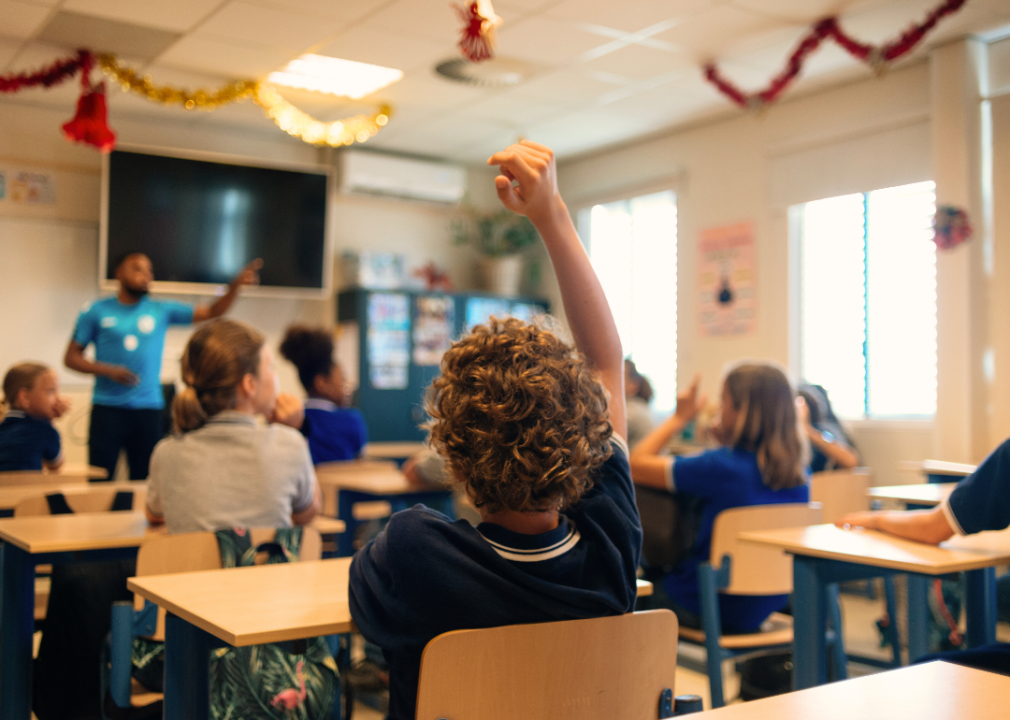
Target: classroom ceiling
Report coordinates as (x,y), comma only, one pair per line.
(601,72)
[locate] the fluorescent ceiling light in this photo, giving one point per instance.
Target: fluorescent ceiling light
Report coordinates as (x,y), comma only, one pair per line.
(334,76)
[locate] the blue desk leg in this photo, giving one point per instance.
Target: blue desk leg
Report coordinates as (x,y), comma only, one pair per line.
(345,540)
(918,613)
(17,622)
(981,606)
(810,660)
(187,671)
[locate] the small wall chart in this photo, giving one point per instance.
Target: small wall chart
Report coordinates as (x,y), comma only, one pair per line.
(726,280)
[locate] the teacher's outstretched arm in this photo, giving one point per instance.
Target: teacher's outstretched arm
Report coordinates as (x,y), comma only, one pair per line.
(248,276)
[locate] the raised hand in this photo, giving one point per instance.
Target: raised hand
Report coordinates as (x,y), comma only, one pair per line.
(689,403)
(249,274)
(531,165)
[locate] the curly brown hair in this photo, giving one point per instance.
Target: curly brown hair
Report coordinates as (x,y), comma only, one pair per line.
(520,417)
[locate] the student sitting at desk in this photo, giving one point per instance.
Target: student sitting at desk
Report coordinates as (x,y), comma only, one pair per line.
(334,431)
(979,502)
(761,463)
(224,470)
(28,440)
(524,424)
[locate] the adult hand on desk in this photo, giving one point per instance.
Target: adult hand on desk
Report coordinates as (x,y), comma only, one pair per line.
(925,526)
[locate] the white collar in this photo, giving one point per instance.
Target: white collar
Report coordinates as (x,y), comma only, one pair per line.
(320,404)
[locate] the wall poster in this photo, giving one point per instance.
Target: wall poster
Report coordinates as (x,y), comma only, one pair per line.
(436,317)
(388,340)
(727,281)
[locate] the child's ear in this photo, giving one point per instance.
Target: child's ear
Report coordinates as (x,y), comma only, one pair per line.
(21,399)
(320,384)
(248,385)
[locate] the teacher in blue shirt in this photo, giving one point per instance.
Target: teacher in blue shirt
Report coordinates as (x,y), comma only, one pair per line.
(128,332)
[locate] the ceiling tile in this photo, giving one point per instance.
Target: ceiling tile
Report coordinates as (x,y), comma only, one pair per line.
(570,84)
(637,63)
(425,89)
(179,15)
(8,51)
(344,12)
(547,41)
(31,57)
(244,23)
(370,46)
(73,30)
(805,11)
(712,33)
(20,19)
(431,20)
(509,111)
(222,58)
(627,16)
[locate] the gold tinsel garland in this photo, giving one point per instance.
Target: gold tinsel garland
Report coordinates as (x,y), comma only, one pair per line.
(287,117)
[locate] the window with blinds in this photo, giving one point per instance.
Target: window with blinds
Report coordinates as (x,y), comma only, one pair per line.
(633,248)
(868,301)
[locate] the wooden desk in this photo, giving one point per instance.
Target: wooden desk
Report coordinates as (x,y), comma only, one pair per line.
(48,539)
(925,494)
(939,471)
(392,450)
(934,691)
(824,555)
(89,471)
(345,486)
(11,495)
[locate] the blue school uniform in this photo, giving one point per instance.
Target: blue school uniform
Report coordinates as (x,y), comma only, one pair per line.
(426,575)
(724,478)
(25,442)
(334,433)
(132,336)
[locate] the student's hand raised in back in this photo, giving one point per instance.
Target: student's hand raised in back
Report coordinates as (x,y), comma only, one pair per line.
(689,402)
(289,411)
(532,166)
(249,275)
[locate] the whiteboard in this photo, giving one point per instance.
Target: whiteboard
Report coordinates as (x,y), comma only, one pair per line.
(47,273)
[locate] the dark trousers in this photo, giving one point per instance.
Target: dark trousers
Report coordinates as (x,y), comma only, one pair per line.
(113,429)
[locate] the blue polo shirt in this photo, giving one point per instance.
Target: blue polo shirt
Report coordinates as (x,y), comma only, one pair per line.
(724,478)
(334,433)
(26,441)
(132,336)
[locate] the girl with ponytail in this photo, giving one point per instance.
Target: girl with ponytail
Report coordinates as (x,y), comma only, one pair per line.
(224,469)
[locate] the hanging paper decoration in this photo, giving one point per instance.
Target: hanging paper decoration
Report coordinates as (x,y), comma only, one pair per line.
(950,227)
(478,37)
(131,81)
(877,57)
(90,125)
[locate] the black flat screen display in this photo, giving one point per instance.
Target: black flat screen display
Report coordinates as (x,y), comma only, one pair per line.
(201,222)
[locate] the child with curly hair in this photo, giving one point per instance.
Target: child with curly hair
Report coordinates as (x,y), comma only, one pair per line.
(533,430)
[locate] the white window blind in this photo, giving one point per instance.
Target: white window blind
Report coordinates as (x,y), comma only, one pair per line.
(633,248)
(868,301)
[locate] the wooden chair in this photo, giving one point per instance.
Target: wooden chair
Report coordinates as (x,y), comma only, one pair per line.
(742,568)
(164,555)
(86,500)
(601,668)
(841,492)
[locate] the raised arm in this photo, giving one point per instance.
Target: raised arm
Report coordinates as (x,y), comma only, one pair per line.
(648,464)
(536,196)
(248,276)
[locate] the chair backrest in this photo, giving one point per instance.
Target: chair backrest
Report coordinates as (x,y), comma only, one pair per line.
(758,569)
(191,552)
(353,466)
(83,501)
(600,668)
(841,492)
(34,477)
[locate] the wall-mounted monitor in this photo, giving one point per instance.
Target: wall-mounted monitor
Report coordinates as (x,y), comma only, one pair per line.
(202,218)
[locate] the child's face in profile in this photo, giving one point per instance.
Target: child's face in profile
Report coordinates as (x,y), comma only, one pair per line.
(334,387)
(43,398)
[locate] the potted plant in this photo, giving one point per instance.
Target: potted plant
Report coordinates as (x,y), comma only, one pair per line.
(500,239)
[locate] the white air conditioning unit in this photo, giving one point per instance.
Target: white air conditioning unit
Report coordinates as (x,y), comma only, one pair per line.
(377,174)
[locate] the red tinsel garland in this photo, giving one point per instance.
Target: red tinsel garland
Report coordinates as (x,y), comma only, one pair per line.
(60,71)
(877,57)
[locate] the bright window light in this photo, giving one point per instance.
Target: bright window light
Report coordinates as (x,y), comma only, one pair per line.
(633,248)
(334,76)
(868,294)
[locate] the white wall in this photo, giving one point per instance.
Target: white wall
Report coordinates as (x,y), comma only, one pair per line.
(49,253)
(856,137)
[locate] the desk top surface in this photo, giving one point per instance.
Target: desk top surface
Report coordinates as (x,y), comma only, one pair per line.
(934,691)
(918,494)
(392,450)
(255,605)
(869,547)
(266,603)
(64,533)
(938,467)
(378,481)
